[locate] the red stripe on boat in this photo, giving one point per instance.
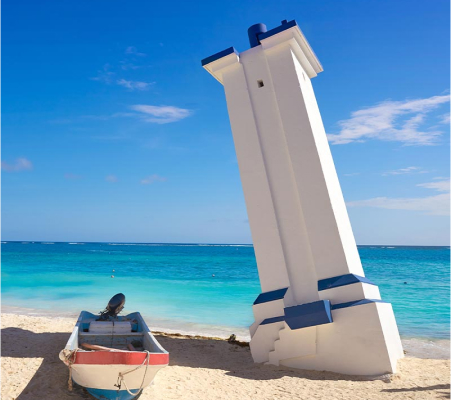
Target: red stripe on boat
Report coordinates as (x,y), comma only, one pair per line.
(116,357)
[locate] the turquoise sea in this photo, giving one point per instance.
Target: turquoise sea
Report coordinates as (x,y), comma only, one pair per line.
(206,289)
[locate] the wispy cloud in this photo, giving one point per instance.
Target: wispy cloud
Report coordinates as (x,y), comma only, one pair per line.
(105,75)
(111,178)
(445,118)
(404,171)
(20,164)
(430,205)
(126,65)
(152,179)
(134,85)
(109,76)
(132,50)
(72,177)
(440,186)
(145,113)
(161,114)
(400,121)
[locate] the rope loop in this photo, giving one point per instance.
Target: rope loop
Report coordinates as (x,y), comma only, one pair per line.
(121,379)
(70,359)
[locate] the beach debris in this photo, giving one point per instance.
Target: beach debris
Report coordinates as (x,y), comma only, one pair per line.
(232,338)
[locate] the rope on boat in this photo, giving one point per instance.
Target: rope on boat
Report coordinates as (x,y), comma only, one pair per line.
(121,379)
(70,359)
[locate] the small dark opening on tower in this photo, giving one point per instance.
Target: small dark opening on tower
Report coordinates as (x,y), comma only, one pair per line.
(260,83)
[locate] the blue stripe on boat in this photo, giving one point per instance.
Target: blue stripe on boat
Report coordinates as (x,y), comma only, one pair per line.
(104,394)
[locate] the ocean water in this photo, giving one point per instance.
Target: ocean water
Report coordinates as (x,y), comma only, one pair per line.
(205,289)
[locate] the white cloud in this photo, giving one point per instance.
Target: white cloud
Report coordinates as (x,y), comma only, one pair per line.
(161,114)
(133,51)
(440,186)
(403,171)
(152,179)
(445,118)
(108,76)
(111,178)
(134,85)
(20,164)
(391,121)
(431,205)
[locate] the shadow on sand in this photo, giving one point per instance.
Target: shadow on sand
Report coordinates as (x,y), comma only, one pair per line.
(237,361)
(52,375)
(443,395)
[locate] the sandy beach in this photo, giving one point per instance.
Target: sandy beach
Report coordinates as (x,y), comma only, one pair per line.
(200,369)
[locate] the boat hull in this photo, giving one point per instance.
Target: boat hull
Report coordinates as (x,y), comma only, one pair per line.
(107,377)
(113,374)
(103,394)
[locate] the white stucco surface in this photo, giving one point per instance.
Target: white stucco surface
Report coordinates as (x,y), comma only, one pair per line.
(298,218)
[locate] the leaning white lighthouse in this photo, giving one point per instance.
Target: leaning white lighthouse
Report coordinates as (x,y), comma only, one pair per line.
(316,310)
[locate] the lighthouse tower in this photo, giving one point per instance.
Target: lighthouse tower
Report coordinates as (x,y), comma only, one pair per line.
(316,310)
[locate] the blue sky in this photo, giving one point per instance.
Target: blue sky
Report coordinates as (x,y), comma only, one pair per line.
(112,131)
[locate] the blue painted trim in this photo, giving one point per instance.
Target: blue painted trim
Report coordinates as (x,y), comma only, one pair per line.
(272,320)
(219,55)
(285,25)
(104,394)
(270,296)
(254,32)
(310,314)
(356,303)
(341,280)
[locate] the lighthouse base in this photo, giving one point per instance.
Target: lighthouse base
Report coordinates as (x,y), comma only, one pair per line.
(360,339)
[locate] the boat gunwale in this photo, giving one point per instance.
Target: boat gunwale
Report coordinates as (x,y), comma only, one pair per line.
(104,357)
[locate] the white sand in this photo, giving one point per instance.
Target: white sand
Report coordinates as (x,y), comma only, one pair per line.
(200,369)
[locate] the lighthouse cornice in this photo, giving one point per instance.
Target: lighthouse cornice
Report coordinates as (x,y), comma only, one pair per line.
(300,47)
(288,33)
(218,63)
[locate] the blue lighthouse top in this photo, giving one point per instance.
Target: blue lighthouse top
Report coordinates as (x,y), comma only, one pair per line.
(256,33)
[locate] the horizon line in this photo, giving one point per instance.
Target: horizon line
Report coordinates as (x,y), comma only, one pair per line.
(195,243)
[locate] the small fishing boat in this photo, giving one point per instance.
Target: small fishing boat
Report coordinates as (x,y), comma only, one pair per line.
(114,357)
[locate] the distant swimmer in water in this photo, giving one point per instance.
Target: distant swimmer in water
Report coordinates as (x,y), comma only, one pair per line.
(112,276)
(212,275)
